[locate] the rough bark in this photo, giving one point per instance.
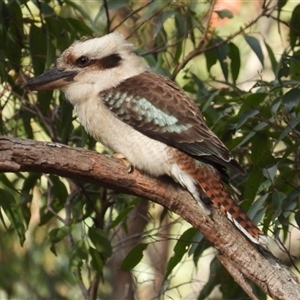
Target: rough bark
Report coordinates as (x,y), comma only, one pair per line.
(238,255)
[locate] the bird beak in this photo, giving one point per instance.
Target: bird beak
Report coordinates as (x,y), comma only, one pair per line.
(50,80)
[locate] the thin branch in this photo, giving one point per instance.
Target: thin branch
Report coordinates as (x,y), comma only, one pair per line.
(131,14)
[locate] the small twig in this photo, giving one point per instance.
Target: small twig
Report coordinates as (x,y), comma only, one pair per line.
(93,290)
(147,20)
(131,14)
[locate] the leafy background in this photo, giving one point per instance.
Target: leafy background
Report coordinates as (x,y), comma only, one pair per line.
(63,239)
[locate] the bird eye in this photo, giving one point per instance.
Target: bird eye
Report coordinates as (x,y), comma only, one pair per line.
(82,61)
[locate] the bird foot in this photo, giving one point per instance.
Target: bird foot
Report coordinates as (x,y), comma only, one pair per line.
(125,161)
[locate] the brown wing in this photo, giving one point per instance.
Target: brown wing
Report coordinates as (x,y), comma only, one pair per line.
(158,108)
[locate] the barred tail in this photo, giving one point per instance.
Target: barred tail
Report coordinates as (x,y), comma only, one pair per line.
(211,185)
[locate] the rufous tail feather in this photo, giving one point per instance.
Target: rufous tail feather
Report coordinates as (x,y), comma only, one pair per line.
(211,184)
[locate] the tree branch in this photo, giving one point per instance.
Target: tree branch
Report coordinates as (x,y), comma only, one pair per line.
(258,266)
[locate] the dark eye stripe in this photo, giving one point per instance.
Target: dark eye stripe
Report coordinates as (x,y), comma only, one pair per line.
(109,62)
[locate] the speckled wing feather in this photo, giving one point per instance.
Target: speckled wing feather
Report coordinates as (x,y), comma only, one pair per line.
(158,108)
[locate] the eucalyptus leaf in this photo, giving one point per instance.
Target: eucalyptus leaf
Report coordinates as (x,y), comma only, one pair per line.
(255,46)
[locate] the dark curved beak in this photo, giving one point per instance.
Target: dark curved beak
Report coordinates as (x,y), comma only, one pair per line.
(50,80)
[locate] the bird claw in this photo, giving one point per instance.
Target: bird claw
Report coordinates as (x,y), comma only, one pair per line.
(125,161)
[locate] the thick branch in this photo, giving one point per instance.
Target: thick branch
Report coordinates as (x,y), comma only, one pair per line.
(18,155)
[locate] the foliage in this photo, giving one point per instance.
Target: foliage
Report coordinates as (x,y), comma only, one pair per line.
(79,222)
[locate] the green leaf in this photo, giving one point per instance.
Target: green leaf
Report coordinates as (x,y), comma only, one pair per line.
(180,249)
(160,21)
(78,254)
(4,180)
(56,235)
(295,65)
(66,124)
(272,58)
(270,172)
(211,59)
(14,213)
(180,22)
(255,46)
(252,185)
(285,68)
(60,191)
(26,116)
(261,149)
(291,98)
(224,13)
(290,202)
(222,54)
(200,85)
(235,64)
(257,205)
(14,35)
(133,257)
(293,122)
(101,242)
(124,212)
(277,199)
(197,247)
(295,27)
(28,186)
(252,101)
(245,116)
(214,279)
(45,9)
(96,262)
(297,218)
(38,48)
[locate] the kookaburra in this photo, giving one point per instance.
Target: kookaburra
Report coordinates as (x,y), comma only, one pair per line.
(147,118)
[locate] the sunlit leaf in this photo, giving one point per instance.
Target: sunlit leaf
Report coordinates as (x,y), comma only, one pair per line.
(270,172)
(180,249)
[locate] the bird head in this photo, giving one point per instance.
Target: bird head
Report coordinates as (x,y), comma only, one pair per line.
(91,66)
